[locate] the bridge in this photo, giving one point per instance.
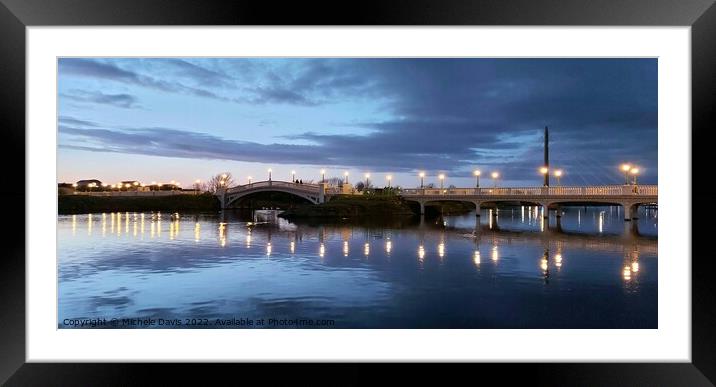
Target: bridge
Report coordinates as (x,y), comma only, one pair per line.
(630,197)
(315,193)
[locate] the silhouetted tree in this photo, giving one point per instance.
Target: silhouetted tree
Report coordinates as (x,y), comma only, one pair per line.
(221,180)
(334,181)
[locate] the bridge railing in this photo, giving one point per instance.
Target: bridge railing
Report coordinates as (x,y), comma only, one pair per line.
(275,183)
(605,190)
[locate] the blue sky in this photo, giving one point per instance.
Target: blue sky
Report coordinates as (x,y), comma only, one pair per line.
(161,119)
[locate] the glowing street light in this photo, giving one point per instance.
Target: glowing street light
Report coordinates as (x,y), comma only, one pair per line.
(626,168)
(634,172)
(346,175)
(477,178)
(558,175)
(269,172)
(442,180)
(422,176)
(249,179)
(495,176)
(389,177)
(545,172)
(367,180)
(293,175)
(323,175)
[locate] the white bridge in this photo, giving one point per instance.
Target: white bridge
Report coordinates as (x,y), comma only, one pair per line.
(630,197)
(315,193)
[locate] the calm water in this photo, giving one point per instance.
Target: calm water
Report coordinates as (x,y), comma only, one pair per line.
(513,270)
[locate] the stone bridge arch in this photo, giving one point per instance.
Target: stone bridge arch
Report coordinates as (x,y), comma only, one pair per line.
(314,193)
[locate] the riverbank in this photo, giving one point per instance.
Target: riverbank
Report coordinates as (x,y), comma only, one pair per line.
(80,204)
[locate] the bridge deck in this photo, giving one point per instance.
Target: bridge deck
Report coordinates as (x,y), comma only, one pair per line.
(274,184)
(615,191)
(628,196)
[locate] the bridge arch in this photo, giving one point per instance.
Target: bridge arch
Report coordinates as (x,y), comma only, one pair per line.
(233,199)
(311,192)
(630,207)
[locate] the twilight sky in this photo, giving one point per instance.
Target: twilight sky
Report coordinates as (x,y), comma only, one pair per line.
(161,119)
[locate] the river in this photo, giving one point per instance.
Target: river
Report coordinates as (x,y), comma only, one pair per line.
(515,269)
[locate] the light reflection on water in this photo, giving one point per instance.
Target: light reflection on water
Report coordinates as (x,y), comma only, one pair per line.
(510,268)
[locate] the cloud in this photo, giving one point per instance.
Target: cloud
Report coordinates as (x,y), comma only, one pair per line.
(107,71)
(184,144)
(307,82)
(75,122)
(126,101)
(197,73)
(438,114)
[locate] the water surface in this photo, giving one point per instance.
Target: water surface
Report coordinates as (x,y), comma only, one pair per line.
(509,268)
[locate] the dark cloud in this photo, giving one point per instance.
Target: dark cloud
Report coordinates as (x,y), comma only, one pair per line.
(197,73)
(75,122)
(185,144)
(126,101)
(274,95)
(107,71)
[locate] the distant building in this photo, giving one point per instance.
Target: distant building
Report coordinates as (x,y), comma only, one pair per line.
(131,185)
(86,185)
(347,188)
(168,187)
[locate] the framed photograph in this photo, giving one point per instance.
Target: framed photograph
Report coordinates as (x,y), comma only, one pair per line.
(466,182)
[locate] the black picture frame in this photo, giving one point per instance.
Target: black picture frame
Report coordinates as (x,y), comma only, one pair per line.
(16,15)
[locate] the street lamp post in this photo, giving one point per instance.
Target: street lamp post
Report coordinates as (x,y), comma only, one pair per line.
(346,175)
(249,180)
(442,180)
(495,176)
(389,177)
(626,168)
(558,175)
(293,176)
(269,171)
(323,175)
(477,178)
(422,176)
(545,172)
(367,181)
(634,172)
